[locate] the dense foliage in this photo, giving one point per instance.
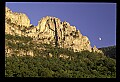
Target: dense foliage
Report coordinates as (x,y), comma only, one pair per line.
(109,51)
(81,65)
(16,37)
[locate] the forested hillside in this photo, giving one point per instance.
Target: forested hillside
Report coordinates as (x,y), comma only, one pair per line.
(109,51)
(54,62)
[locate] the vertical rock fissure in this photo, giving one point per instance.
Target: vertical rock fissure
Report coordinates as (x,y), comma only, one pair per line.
(56,35)
(63,39)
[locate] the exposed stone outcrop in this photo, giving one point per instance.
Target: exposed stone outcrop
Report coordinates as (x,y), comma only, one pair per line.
(63,56)
(96,50)
(49,30)
(62,34)
(50,55)
(17,18)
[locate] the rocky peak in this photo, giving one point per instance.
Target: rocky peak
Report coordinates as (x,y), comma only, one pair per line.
(7,9)
(63,34)
(50,30)
(17,18)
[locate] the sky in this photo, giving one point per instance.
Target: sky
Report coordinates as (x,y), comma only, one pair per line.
(97,21)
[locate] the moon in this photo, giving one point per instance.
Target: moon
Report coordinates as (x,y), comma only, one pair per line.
(100,38)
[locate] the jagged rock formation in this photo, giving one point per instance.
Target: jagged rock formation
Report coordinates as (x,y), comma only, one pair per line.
(65,36)
(17,18)
(15,22)
(49,30)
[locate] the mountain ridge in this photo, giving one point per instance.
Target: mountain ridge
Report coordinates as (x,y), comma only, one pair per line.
(109,51)
(50,30)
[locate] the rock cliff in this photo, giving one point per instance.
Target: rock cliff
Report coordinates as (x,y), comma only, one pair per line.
(17,18)
(49,30)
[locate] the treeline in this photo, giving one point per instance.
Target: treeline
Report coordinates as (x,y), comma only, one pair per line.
(109,51)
